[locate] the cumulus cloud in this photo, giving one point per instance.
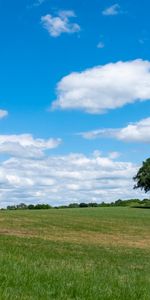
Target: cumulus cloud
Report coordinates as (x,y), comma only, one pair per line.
(112,10)
(25,145)
(60,24)
(102,88)
(100,45)
(66,178)
(134,132)
(3,113)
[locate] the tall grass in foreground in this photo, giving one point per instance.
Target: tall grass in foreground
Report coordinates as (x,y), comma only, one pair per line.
(97,253)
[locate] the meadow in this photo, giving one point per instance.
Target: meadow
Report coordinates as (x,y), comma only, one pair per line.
(84,253)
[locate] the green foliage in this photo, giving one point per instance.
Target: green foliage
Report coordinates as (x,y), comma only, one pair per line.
(11,207)
(42,206)
(119,202)
(30,206)
(21,206)
(73,205)
(83,205)
(92,204)
(142,177)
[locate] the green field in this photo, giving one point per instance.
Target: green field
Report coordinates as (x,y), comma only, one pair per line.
(92,253)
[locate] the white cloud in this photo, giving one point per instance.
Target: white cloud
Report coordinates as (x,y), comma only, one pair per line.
(64,179)
(35,3)
(100,45)
(60,24)
(134,132)
(143,40)
(3,113)
(98,133)
(114,155)
(38,2)
(112,10)
(25,145)
(101,88)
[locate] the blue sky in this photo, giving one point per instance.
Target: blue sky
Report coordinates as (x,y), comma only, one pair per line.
(76,76)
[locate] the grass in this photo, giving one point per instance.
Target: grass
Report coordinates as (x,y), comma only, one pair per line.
(90,254)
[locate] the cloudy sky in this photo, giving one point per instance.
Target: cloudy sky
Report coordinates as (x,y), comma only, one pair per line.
(74,99)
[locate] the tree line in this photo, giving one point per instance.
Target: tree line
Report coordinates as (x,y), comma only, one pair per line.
(124,203)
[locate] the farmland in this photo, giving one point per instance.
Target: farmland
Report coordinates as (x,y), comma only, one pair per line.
(84,253)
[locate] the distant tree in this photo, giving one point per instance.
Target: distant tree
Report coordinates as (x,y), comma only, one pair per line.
(92,204)
(30,206)
(11,207)
(62,206)
(142,177)
(22,206)
(145,202)
(73,205)
(119,202)
(102,204)
(42,206)
(83,205)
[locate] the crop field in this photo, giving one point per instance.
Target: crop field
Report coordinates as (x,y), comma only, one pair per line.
(64,254)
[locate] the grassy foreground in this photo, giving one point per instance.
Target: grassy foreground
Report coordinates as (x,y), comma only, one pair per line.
(90,254)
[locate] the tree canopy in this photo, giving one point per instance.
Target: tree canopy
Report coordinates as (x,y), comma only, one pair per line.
(142,177)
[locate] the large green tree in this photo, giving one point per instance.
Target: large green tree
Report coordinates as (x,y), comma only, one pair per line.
(142,177)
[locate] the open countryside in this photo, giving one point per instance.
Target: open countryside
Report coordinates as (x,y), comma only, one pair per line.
(74,150)
(84,253)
